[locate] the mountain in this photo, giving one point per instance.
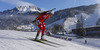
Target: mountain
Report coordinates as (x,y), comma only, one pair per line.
(69,17)
(22,10)
(71,12)
(21,15)
(11,18)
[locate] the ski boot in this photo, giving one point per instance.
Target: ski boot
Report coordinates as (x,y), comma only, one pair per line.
(36,38)
(43,38)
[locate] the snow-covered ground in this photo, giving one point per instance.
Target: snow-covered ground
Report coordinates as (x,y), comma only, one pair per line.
(93,42)
(17,40)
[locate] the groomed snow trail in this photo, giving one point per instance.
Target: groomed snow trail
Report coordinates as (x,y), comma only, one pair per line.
(17,40)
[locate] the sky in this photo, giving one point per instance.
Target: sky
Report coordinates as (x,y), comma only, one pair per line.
(45,4)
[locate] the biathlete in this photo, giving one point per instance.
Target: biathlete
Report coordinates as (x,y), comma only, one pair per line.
(40,22)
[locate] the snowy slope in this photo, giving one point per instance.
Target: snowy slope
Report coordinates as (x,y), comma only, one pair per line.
(16,40)
(70,22)
(93,42)
(89,20)
(57,22)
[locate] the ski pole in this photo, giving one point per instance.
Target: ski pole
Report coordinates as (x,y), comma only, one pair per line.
(52,9)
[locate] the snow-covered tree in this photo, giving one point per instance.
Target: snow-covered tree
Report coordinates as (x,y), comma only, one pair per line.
(80,27)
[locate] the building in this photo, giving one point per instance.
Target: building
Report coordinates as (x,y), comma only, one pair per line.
(90,31)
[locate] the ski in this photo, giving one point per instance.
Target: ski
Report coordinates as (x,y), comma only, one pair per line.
(52,42)
(32,39)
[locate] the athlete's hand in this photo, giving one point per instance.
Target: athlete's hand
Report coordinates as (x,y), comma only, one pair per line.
(33,21)
(44,20)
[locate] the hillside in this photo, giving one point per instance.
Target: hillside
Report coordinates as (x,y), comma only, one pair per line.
(71,12)
(89,13)
(22,15)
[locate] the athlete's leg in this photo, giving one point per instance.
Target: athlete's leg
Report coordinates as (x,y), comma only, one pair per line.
(44,28)
(37,35)
(40,29)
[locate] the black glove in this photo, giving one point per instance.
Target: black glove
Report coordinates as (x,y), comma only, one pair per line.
(33,21)
(44,20)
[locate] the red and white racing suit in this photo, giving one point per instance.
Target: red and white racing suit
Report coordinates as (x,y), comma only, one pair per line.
(40,20)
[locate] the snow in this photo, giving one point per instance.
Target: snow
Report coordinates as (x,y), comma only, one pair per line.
(68,24)
(11,15)
(27,8)
(25,27)
(17,40)
(93,42)
(56,22)
(89,20)
(72,35)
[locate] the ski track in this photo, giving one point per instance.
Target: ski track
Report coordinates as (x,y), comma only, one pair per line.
(17,40)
